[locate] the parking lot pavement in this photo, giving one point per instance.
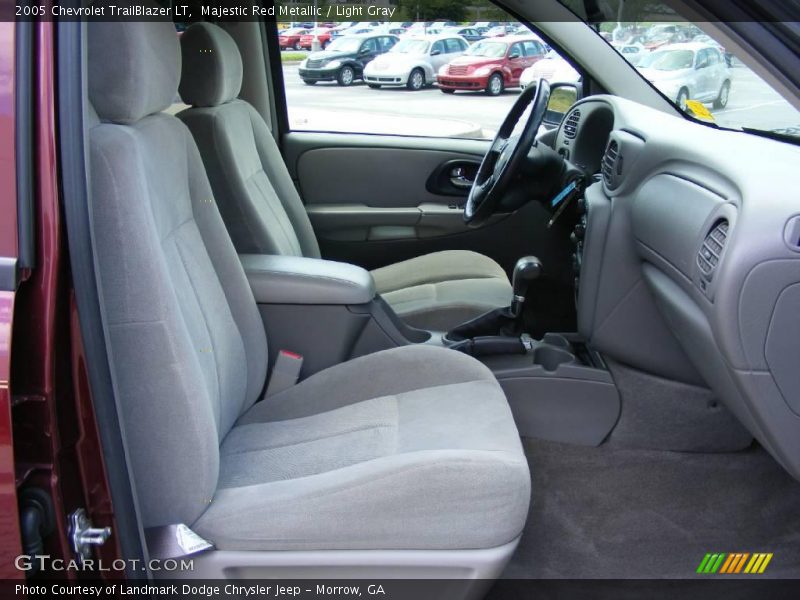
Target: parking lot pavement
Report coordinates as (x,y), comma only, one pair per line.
(329,107)
(755,104)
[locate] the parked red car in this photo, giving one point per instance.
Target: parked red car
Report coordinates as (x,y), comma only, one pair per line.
(289,39)
(323,34)
(491,65)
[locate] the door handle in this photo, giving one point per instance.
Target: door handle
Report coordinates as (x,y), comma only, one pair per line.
(459,179)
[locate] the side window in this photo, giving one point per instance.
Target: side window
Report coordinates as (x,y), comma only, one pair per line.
(453,46)
(516,49)
(532,48)
(318,100)
(713,57)
(702,59)
(387,43)
(370,45)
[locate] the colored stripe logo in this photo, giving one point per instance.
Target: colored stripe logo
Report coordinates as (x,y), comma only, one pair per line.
(734,563)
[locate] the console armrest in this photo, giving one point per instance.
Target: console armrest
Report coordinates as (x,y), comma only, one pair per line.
(297,280)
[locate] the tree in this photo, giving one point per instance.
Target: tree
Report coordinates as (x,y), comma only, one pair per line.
(432,10)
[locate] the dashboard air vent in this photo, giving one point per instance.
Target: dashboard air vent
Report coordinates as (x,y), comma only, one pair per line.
(713,245)
(571,124)
(609,165)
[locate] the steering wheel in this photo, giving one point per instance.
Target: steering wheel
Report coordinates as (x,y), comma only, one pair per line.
(506,154)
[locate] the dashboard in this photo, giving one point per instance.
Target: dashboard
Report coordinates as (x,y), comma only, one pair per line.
(688,258)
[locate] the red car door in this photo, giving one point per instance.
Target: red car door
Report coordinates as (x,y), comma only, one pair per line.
(516,63)
(10,546)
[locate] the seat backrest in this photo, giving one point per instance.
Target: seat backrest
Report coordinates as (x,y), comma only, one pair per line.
(256,195)
(188,346)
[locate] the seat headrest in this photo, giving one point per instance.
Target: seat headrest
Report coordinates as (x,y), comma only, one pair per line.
(134,68)
(212,66)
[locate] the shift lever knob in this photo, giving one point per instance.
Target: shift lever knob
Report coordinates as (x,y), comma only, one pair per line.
(526,270)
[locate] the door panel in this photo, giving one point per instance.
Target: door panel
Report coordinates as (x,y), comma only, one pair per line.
(375,176)
(373,202)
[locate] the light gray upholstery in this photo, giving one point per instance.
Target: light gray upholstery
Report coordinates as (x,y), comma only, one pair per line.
(143,57)
(208,49)
(257,197)
(299,280)
(440,290)
(411,448)
(264,212)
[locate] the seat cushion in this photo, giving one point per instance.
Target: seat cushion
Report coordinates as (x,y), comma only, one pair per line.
(411,448)
(442,290)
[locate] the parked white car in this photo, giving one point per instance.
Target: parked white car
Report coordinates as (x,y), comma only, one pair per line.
(414,62)
(689,71)
(633,53)
(552,68)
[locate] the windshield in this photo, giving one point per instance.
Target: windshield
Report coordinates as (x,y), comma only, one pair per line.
(411,47)
(488,49)
(708,81)
(345,44)
(668,60)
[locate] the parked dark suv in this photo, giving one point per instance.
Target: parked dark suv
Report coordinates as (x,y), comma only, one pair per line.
(344,60)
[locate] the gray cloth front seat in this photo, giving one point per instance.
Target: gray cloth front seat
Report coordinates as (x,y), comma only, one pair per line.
(264,212)
(413,448)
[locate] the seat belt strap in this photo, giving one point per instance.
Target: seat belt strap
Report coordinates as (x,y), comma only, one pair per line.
(285,373)
(174,541)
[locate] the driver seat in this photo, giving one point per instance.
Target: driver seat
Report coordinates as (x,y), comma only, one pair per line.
(265,215)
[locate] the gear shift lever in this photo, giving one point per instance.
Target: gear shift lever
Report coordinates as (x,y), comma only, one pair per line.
(502,323)
(527,269)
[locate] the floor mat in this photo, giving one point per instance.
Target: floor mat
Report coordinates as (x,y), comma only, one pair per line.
(613,512)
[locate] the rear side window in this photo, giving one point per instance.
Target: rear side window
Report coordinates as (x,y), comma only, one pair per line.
(454,45)
(387,43)
(532,48)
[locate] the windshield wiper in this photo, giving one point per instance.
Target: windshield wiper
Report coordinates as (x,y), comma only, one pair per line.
(773,135)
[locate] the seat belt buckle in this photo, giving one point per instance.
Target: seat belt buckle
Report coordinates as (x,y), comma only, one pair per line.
(285,373)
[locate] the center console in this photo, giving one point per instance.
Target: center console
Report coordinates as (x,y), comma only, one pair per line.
(558,390)
(328,312)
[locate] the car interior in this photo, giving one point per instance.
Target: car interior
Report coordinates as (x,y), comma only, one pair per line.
(330,357)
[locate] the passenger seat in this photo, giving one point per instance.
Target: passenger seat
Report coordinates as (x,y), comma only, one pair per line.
(408,456)
(264,212)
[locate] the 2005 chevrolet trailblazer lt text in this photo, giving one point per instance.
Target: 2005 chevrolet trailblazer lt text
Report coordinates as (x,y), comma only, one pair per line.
(447,307)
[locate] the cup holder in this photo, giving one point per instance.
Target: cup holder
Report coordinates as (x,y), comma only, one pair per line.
(550,357)
(557,340)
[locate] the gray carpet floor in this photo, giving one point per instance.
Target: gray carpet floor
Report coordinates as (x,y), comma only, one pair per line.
(612,512)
